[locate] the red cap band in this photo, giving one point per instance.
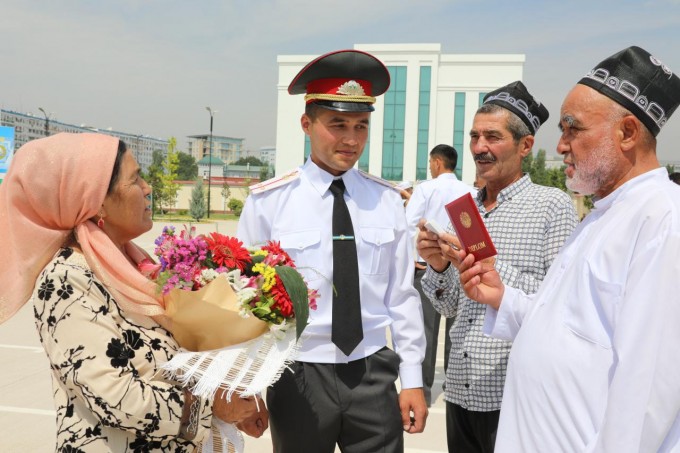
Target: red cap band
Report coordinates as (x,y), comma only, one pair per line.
(333,86)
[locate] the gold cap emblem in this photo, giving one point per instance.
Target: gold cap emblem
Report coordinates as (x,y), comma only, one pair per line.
(351,88)
(465,219)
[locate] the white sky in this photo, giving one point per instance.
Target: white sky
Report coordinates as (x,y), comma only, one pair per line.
(152,66)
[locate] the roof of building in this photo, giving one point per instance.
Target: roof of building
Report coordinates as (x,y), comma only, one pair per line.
(216,137)
(212,160)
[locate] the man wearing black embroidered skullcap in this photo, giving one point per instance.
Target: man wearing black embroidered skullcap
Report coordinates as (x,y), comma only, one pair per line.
(528,223)
(347,232)
(594,366)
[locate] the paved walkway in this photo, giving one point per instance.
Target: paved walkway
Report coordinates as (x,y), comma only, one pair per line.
(26,407)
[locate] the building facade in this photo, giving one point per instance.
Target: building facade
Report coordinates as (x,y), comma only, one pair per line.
(432,99)
(268,156)
(210,167)
(227,149)
(29,127)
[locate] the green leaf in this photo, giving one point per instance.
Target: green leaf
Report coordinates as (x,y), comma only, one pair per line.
(257,258)
(297,290)
(261,312)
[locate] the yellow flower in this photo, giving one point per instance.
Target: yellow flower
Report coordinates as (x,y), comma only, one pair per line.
(268,273)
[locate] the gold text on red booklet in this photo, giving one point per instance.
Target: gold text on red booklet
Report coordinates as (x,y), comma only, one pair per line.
(477,246)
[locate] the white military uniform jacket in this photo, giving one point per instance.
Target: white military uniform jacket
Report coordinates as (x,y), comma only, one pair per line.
(297,211)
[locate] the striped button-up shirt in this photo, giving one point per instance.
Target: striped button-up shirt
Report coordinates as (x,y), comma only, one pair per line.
(528,227)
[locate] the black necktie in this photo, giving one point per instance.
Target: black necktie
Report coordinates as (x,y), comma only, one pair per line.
(347,331)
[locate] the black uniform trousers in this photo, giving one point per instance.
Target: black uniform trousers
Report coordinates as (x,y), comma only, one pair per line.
(316,405)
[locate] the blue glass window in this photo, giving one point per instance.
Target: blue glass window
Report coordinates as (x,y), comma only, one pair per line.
(393,129)
(458,130)
(422,151)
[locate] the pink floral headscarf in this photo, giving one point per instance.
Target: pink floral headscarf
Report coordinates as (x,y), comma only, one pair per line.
(54,186)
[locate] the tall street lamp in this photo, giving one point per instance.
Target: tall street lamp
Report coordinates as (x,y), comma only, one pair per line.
(212,112)
(47,121)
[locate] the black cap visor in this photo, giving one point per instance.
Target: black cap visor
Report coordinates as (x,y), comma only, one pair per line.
(345,106)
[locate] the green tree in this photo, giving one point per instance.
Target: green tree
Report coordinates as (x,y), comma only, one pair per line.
(670,168)
(188,168)
(539,173)
(226,191)
(535,166)
(236,206)
(154,176)
(555,177)
(264,173)
(252,160)
(197,205)
(527,162)
(162,176)
(588,202)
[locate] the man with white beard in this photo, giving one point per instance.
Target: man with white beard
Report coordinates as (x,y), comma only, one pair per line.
(594,364)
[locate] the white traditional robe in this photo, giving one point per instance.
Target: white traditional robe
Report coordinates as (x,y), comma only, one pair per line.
(595,366)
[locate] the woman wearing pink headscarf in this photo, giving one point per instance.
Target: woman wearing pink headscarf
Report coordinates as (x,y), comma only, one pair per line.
(69,208)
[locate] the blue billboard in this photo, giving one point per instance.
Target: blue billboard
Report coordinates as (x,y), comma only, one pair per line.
(6,149)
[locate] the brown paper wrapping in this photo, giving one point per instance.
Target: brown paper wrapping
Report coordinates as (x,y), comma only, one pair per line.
(209,318)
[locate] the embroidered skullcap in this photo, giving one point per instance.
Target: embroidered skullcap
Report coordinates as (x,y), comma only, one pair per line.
(344,81)
(639,82)
(516,98)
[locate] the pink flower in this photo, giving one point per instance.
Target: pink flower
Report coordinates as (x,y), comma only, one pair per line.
(183,257)
(149,269)
(276,255)
(313,296)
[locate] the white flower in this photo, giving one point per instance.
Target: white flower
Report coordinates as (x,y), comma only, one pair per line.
(206,276)
(278,331)
(238,283)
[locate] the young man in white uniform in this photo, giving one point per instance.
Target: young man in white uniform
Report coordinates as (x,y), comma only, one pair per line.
(341,391)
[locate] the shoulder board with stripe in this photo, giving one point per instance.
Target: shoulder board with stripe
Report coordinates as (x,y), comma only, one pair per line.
(275,182)
(382,182)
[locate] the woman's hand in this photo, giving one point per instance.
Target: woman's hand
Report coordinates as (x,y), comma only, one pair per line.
(256,424)
(236,410)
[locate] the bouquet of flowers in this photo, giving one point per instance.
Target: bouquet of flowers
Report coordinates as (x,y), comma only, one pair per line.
(238,312)
(264,280)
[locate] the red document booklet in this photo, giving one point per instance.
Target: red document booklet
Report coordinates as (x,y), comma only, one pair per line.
(470,228)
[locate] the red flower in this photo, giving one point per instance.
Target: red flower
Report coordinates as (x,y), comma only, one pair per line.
(278,255)
(282,300)
(228,251)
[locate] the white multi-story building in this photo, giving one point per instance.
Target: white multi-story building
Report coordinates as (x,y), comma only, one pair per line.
(268,155)
(29,127)
(227,149)
(432,99)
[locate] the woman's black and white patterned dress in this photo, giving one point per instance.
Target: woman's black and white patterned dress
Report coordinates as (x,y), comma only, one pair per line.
(104,362)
